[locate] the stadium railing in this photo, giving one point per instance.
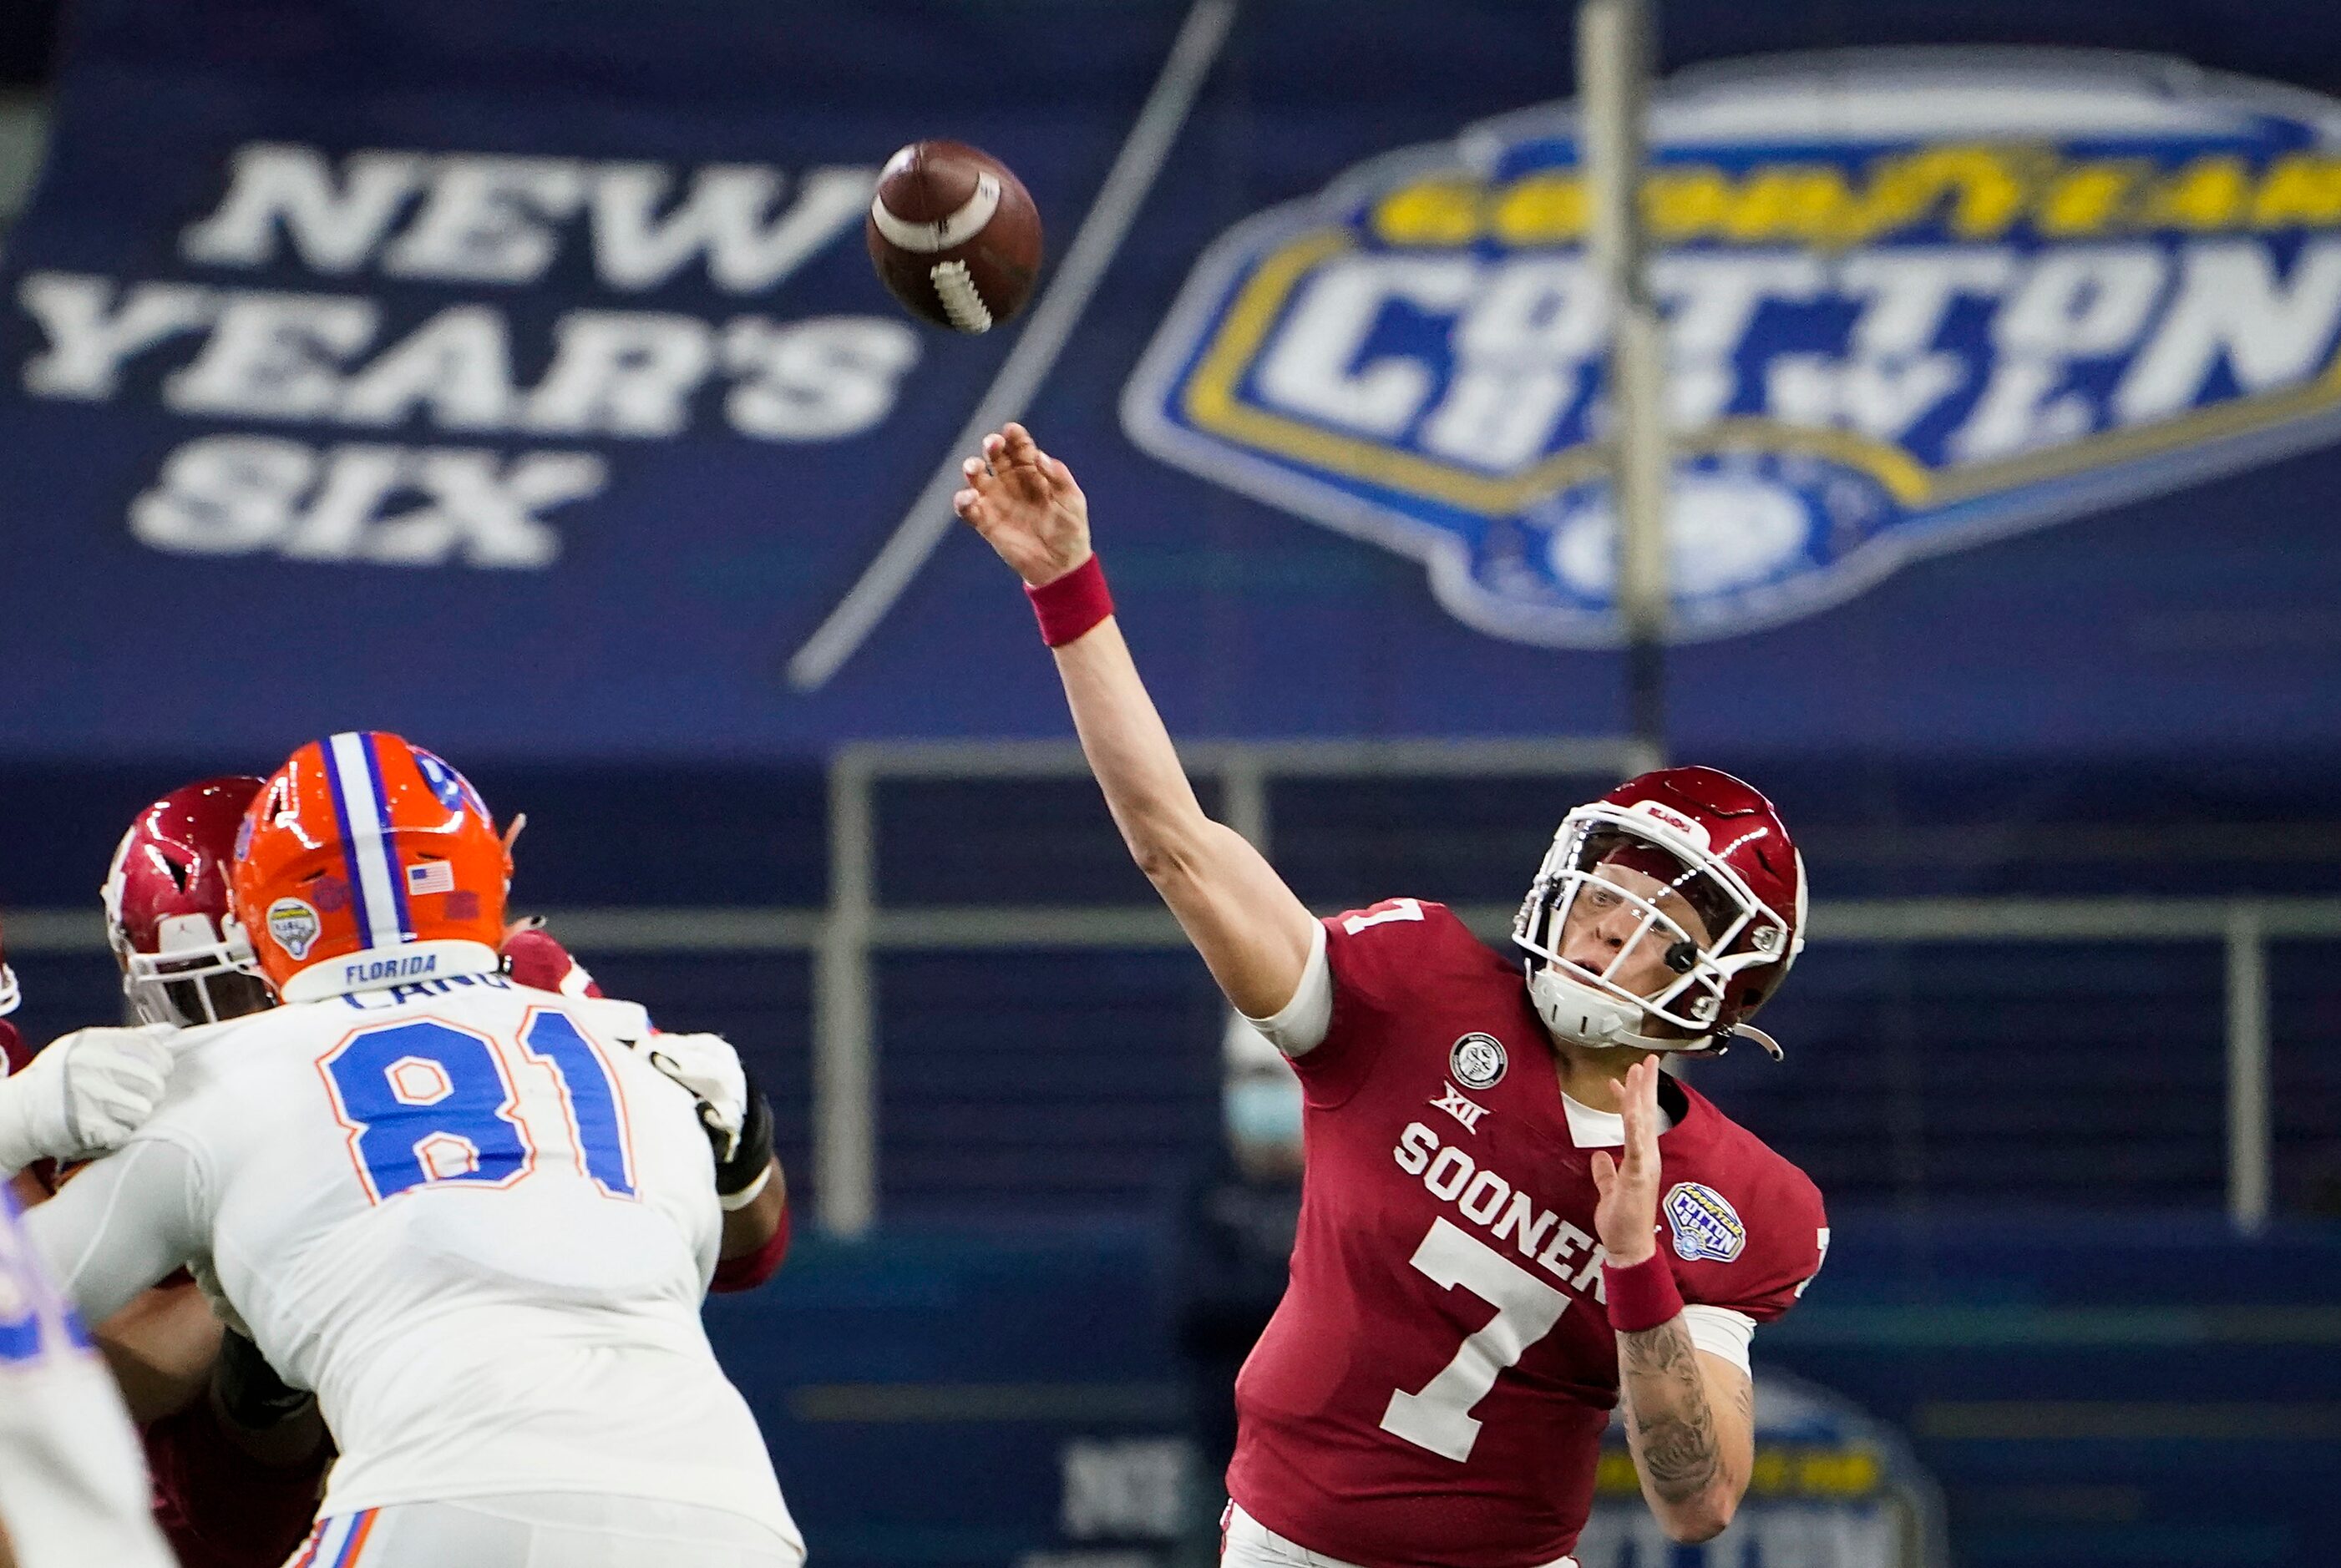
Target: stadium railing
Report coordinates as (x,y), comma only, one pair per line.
(844,938)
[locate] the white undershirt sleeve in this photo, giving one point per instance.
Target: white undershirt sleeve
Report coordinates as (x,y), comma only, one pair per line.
(1720,1331)
(120,1224)
(1299,1026)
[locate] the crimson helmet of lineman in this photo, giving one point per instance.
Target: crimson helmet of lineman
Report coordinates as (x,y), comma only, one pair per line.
(1705,846)
(184,961)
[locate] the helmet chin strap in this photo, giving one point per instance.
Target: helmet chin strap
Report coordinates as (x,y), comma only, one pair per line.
(1589,1015)
(1586,1015)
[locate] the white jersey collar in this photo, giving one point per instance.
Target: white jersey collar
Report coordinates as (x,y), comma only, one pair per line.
(1592,1129)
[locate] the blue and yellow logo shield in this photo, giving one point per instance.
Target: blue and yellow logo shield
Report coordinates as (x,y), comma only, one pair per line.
(1914,303)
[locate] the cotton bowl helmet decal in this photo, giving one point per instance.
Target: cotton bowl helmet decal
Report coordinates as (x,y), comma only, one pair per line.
(1915,301)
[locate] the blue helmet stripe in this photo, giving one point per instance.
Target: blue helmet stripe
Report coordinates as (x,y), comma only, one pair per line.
(329,749)
(389,846)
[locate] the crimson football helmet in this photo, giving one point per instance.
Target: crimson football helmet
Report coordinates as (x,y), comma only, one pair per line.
(183,960)
(1717,842)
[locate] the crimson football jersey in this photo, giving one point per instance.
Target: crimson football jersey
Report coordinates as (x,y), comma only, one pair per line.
(1434,1386)
(218,1506)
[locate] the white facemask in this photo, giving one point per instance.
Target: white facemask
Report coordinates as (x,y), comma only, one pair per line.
(1586,1015)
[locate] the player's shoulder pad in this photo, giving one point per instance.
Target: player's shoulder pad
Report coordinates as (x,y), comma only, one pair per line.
(1421,929)
(1748,1226)
(1737,1158)
(201,1034)
(207,1054)
(214,1073)
(621,1022)
(1399,946)
(1416,926)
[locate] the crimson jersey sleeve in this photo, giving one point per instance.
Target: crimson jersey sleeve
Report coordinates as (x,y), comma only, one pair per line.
(1747,1228)
(752,1269)
(16,1056)
(1382,959)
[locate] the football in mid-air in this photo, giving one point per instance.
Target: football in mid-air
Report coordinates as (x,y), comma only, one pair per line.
(954,235)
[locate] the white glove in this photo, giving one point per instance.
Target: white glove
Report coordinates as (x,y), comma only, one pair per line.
(708,1066)
(84,1094)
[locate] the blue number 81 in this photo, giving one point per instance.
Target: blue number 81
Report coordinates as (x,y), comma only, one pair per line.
(429,1104)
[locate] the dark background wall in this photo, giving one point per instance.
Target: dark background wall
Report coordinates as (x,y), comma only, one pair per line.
(2023,1143)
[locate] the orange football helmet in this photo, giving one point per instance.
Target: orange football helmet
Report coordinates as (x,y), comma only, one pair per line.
(366,862)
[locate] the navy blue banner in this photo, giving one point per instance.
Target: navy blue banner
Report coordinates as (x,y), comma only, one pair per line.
(511,374)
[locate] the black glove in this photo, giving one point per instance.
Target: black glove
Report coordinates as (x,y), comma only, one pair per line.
(751,1151)
(254,1396)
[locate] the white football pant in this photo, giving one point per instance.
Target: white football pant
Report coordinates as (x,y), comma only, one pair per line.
(1246,1543)
(545,1530)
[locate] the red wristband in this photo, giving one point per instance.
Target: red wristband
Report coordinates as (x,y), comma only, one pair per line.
(752,1269)
(1071,605)
(1641,1296)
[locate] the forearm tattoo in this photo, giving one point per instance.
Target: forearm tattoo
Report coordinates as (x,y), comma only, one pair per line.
(1666,1417)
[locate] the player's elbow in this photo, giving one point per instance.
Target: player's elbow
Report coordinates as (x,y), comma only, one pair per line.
(1155,856)
(1700,1517)
(1169,851)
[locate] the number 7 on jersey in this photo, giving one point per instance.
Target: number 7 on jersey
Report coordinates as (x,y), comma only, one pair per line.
(1439,1417)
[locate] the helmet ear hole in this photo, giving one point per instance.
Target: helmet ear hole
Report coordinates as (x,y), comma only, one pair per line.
(1681,956)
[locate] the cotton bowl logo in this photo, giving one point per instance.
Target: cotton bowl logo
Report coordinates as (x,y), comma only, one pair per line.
(1915,301)
(294,927)
(1703,1223)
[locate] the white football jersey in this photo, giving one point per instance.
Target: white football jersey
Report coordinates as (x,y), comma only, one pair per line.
(468,1216)
(73,1485)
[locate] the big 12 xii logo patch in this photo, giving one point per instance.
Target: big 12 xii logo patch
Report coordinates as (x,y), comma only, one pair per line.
(1914,301)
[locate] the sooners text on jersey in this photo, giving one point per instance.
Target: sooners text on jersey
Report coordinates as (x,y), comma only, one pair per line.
(1434,1386)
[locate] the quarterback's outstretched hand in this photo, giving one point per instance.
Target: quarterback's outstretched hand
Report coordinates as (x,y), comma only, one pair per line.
(1027,507)
(1627,1214)
(84,1094)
